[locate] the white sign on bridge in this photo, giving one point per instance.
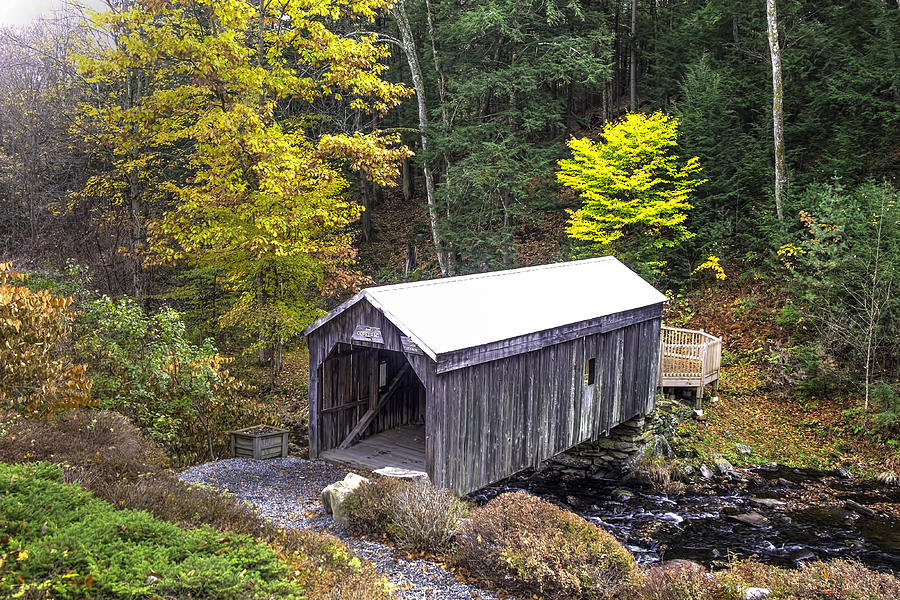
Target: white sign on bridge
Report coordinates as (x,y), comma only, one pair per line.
(367,333)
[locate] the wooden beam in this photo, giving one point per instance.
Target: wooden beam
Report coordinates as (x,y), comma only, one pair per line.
(366,419)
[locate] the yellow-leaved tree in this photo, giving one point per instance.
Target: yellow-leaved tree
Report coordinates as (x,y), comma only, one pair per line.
(635,189)
(37,374)
(234,114)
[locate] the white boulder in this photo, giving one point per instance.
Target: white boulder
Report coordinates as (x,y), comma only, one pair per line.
(398,473)
(335,495)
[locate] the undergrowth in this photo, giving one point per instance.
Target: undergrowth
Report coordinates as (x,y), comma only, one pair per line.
(529,545)
(416,514)
(766,399)
(102,452)
(61,541)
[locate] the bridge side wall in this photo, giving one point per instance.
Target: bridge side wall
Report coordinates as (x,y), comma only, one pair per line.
(497,418)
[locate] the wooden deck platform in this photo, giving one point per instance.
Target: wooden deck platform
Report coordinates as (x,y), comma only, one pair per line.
(402,448)
(689,359)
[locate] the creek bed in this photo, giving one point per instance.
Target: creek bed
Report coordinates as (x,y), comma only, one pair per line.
(780,516)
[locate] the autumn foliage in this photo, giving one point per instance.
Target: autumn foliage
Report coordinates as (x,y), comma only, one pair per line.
(636,190)
(37,374)
(522,542)
(228,138)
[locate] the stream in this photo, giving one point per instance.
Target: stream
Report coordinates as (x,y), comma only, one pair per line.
(777,514)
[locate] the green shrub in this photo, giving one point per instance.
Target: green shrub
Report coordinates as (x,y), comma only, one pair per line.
(321,563)
(104,453)
(418,515)
(61,541)
(180,394)
(887,401)
(523,543)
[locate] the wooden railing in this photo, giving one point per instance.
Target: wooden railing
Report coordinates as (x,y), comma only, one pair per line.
(689,358)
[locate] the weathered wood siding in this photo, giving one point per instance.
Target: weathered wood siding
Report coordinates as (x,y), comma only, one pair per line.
(344,384)
(493,419)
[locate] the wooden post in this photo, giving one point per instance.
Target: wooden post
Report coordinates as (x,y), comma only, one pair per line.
(315,373)
(373,379)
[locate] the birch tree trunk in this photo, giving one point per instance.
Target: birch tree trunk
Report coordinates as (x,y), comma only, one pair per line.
(777,111)
(409,48)
(632,91)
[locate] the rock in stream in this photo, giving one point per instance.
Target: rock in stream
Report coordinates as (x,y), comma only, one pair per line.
(779,515)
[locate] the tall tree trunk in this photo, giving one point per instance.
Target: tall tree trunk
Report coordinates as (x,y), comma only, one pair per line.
(632,83)
(408,180)
(875,301)
(136,204)
(439,71)
(409,48)
(617,63)
(777,110)
(136,238)
(263,299)
(411,262)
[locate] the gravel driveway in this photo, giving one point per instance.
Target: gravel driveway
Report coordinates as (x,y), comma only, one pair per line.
(286,491)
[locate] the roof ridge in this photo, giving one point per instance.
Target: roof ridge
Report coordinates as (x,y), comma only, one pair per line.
(498,273)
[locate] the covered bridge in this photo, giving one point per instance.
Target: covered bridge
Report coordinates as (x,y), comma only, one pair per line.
(474,378)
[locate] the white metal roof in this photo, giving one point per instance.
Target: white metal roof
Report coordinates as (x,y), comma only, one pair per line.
(445,315)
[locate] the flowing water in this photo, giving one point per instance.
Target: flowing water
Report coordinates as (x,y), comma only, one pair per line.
(779,515)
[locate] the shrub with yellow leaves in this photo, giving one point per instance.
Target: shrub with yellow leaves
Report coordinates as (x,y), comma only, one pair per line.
(711,265)
(37,374)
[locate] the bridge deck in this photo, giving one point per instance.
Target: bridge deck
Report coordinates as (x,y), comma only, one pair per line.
(401,448)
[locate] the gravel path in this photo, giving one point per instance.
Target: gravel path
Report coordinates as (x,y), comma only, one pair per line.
(286,491)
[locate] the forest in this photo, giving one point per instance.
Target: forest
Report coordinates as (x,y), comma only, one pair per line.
(185,185)
(248,165)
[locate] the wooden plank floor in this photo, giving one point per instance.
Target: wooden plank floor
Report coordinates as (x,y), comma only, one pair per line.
(403,448)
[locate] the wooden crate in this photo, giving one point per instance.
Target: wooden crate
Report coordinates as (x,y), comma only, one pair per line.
(259,441)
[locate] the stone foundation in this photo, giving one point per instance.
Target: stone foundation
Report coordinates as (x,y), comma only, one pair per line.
(607,454)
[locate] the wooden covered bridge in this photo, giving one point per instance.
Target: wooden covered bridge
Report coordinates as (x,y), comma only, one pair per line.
(472,379)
